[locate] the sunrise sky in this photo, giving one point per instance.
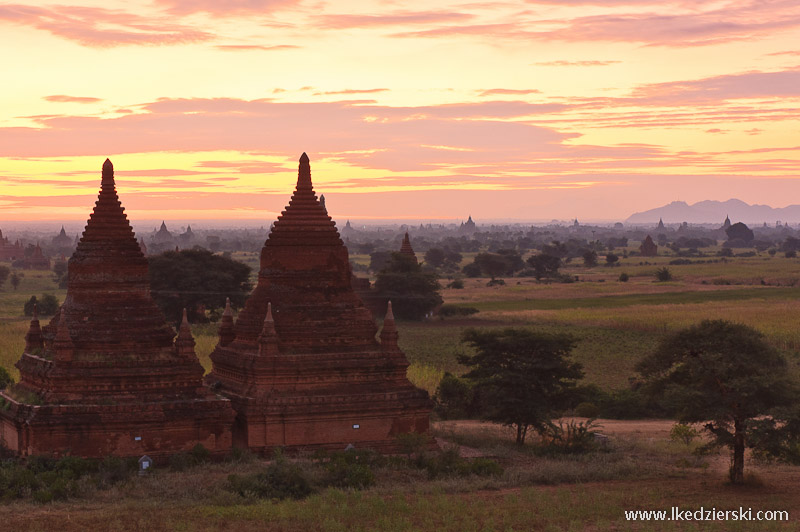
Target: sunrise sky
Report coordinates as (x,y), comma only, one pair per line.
(408,109)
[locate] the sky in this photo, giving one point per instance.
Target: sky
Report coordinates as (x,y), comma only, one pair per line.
(409,110)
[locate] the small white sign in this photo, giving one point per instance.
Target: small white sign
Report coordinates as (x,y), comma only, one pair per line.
(356,426)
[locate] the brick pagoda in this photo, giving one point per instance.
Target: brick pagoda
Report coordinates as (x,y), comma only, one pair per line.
(107,375)
(302,365)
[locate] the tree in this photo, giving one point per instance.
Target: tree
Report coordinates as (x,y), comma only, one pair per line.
(434,257)
(378,260)
(523,377)
(4,273)
(724,374)
(611,259)
(590,258)
(196,279)
(740,231)
(491,264)
(544,265)
(15,279)
(413,291)
(46,306)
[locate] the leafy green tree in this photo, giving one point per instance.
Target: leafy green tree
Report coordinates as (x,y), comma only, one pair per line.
(524,377)
(15,279)
(611,259)
(740,231)
(196,279)
(590,258)
(413,290)
(722,374)
(544,265)
(378,260)
(504,262)
(46,306)
(434,257)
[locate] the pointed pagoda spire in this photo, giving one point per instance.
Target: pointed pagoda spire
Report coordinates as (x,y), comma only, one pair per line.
(304,173)
(33,338)
(322,202)
(406,248)
(184,342)
(62,344)
(305,218)
(108,174)
(268,339)
(226,331)
(389,332)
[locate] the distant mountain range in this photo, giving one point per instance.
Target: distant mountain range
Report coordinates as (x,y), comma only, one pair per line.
(705,212)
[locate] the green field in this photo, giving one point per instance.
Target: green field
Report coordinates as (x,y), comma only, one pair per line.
(615,324)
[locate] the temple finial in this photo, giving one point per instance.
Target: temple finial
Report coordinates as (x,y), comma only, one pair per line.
(33,339)
(108,173)
(268,339)
(389,332)
(304,173)
(185,341)
(62,344)
(226,332)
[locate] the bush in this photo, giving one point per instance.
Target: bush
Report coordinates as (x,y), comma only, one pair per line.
(350,469)
(569,438)
(281,480)
(449,463)
(46,306)
(623,277)
(455,398)
(455,310)
(683,433)
(663,274)
(5,378)
(790,254)
(457,284)
(587,409)
(496,282)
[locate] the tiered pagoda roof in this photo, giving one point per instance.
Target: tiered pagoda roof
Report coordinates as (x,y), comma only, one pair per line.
(110,355)
(303,367)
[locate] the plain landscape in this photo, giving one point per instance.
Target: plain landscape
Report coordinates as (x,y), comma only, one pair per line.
(640,465)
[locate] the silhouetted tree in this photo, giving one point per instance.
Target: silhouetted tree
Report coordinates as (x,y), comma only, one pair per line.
(544,265)
(590,258)
(434,257)
(378,260)
(46,306)
(4,273)
(196,279)
(611,259)
(15,279)
(523,377)
(413,290)
(724,375)
(740,231)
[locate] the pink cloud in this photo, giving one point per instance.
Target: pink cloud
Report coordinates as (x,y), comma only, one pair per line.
(577,63)
(62,98)
(225,7)
(101,28)
(251,47)
(351,91)
(493,92)
(390,19)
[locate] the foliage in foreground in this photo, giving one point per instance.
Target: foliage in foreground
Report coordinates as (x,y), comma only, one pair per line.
(727,376)
(524,377)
